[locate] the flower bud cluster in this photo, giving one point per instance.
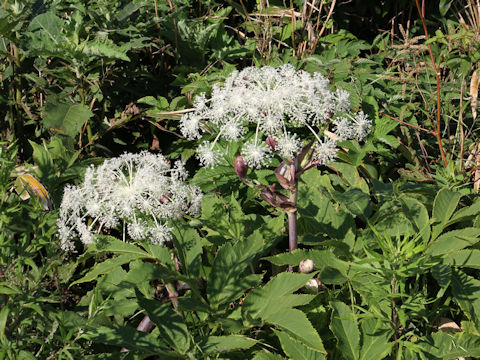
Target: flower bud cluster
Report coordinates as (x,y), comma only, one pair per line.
(134,192)
(276,102)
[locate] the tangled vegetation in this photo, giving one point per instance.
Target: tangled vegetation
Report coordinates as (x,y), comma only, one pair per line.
(239,179)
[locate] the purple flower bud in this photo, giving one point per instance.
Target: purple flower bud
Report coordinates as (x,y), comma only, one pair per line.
(306,266)
(241,167)
(272,143)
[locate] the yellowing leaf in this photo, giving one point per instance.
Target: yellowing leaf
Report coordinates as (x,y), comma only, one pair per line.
(26,186)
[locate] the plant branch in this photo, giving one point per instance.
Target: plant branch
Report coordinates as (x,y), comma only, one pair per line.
(437,78)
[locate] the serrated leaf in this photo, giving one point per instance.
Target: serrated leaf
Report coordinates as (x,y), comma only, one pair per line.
(296,323)
(454,240)
(356,201)
(466,292)
(297,350)
(106,243)
(106,49)
(375,340)
(464,258)
(221,344)
(332,269)
(225,280)
(444,205)
(66,118)
(188,248)
(171,325)
(106,267)
(345,328)
(268,299)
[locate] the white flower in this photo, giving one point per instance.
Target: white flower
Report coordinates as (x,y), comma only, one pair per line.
(207,156)
(139,191)
(275,102)
(288,145)
(325,151)
(362,125)
(256,155)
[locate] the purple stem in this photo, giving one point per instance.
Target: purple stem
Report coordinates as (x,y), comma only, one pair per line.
(292,223)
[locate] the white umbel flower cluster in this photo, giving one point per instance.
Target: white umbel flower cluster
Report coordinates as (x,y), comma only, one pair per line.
(277,102)
(134,192)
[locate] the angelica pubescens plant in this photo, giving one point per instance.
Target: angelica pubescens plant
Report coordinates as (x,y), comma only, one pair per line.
(134,193)
(281,105)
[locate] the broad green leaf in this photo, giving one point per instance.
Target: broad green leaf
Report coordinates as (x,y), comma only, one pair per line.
(147,271)
(66,118)
(356,201)
(45,35)
(465,213)
(375,340)
(222,344)
(332,269)
(106,49)
(444,205)
(296,323)
(171,325)
(268,299)
(105,243)
(297,350)
(188,248)
(463,258)
(418,215)
(345,328)
(160,253)
(317,213)
(106,267)
(225,280)
(454,240)
(130,338)
(466,292)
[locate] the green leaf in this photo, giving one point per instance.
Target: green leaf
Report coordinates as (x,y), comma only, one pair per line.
(332,269)
(106,49)
(128,337)
(225,280)
(106,267)
(417,213)
(297,350)
(3,319)
(466,292)
(345,328)
(188,247)
(147,271)
(171,325)
(375,340)
(356,201)
(450,346)
(464,214)
(267,356)
(67,118)
(106,243)
(444,205)
(454,240)
(269,299)
(221,344)
(463,258)
(296,323)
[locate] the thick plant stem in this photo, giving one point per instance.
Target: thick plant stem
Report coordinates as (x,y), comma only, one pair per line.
(292,223)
